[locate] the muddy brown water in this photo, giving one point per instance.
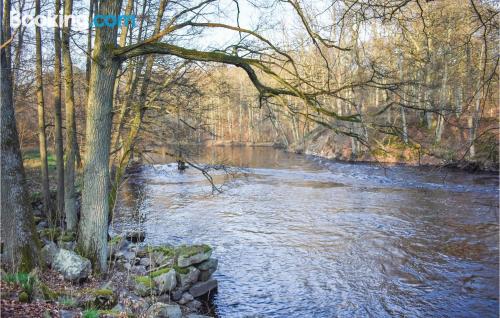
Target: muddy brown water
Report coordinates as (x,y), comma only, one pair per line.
(298,236)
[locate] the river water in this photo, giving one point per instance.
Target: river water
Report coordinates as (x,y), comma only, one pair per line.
(298,236)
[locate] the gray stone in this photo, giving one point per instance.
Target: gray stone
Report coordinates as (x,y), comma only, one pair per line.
(129,256)
(161,310)
(127,266)
(139,270)
(42,225)
(71,265)
(189,255)
(177,294)
(186,280)
(202,288)
(207,268)
(136,236)
(161,259)
(116,244)
(194,305)
(166,282)
(186,297)
(67,245)
(173,311)
(68,314)
(142,289)
(146,261)
(49,252)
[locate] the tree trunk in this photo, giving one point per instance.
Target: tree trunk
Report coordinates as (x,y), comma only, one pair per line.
(21,245)
(42,138)
(69,99)
(58,118)
(138,109)
(93,227)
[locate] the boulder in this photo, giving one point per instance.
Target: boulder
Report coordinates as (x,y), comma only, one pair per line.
(166,282)
(104,298)
(188,279)
(194,305)
(202,288)
(195,254)
(207,268)
(116,244)
(173,311)
(138,270)
(136,236)
(49,252)
(68,314)
(71,265)
(160,259)
(161,310)
(129,256)
(186,298)
(144,286)
(145,261)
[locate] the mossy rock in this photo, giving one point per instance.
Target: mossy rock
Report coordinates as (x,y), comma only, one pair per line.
(193,254)
(191,250)
(144,280)
(103,292)
(165,250)
(144,285)
(104,298)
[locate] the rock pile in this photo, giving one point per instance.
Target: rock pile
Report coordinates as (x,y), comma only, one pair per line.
(149,281)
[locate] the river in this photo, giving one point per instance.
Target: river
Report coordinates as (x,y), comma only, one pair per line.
(299,236)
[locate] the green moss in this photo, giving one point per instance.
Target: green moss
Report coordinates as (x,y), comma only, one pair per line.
(103,292)
(67,237)
(159,272)
(51,232)
(24,297)
(144,280)
(181,270)
(165,250)
(190,250)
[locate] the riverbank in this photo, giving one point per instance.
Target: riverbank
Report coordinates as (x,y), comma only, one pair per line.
(326,144)
(142,280)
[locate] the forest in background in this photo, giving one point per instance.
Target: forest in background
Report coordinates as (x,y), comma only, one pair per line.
(423,86)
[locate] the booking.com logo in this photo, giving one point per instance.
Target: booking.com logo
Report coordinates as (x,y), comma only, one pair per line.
(78,22)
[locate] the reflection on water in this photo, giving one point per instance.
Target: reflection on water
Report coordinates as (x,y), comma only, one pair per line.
(305,237)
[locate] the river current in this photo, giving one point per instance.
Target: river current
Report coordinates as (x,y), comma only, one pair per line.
(299,236)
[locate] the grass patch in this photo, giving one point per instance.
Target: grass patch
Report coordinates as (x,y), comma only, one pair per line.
(31,159)
(91,313)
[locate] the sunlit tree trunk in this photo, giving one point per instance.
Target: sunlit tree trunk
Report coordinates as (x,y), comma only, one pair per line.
(58,118)
(42,138)
(93,226)
(21,245)
(69,99)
